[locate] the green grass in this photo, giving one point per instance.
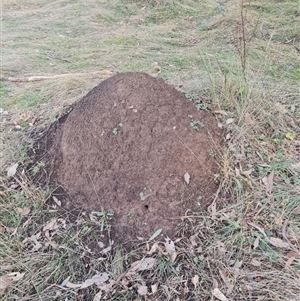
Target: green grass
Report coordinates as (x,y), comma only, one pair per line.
(193,43)
(26,100)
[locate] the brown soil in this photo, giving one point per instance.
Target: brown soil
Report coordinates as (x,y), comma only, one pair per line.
(125,148)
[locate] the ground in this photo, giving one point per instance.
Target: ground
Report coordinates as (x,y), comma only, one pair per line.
(233,62)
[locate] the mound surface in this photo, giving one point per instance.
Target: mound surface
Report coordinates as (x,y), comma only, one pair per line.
(125,148)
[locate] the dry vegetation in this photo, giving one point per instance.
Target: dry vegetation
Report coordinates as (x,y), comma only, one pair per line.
(242,59)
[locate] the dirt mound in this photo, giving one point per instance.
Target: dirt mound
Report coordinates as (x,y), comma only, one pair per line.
(136,147)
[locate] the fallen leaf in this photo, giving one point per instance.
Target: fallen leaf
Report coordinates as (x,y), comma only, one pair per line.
(256,243)
(199,250)
(72,285)
(238,264)
(215,283)
(143,264)
(154,248)
(293,108)
(97,279)
(128,278)
(57,201)
(98,296)
(187,177)
(294,254)
(34,239)
(255,263)
(87,283)
(155,234)
(289,262)
(212,209)
(106,287)
(16,276)
(219,295)
(11,171)
(106,250)
(142,290)
(229,121)
(270,179)
(3,112)
(101,244)
(279,243)
(14,186)
(247,173)
(24,211)
(170,247)
(195,280)
(154,288)
(8,279)
(221,112)
(221,247)
(194,239)
(65,281)
(53,244)
(52,225)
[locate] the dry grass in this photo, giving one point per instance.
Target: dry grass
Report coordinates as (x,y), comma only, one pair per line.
(197,46)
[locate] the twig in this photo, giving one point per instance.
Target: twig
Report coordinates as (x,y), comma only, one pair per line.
(39,78)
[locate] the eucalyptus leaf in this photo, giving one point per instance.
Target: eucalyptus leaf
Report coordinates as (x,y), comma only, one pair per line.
(11,171)
(155,234)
